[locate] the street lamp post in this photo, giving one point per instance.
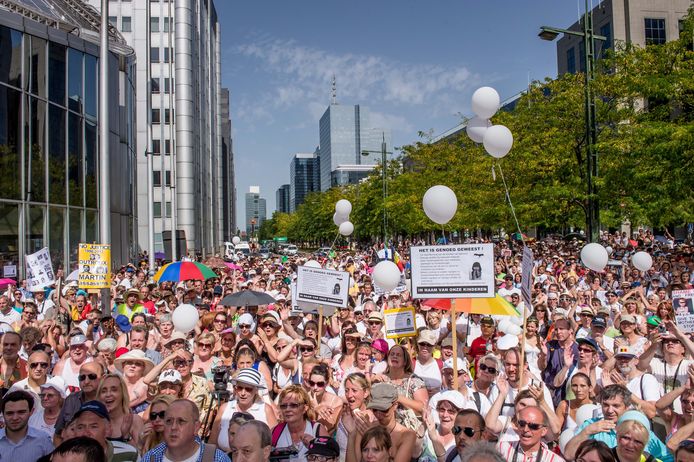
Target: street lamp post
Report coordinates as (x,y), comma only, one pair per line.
(591,130)
(383,153)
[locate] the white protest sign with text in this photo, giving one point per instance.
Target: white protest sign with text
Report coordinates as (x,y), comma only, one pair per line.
(319,286)
(39,270)
(453,271)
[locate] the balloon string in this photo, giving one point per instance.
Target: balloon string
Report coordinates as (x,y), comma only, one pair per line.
(334,241)
(508,197)
(443,234)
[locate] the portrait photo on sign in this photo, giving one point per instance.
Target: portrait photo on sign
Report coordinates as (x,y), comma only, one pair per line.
(683,306)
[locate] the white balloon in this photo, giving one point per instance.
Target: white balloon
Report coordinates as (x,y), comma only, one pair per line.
(235,240)
(440,204)
(312,264)
(594,256)
(565,437)
(476,128)
(339,219)
(485,102)
(609,250)
(506,342)
(517,320)
(513,329)
(642,261)
(184,318)
(343,207)
(503,324)
(346,228)
(498,141)
(386,275)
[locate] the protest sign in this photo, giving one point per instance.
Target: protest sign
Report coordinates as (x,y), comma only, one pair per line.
(9,271)
(94,266)
(527,275)
(453,271)
(39,270)
(400,322)
(319,286)
(301,308)
(683,304)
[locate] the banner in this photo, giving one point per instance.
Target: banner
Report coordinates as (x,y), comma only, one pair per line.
(39,270)
(453,271)
(321,286)
(683,304)
(9,271)
(400,322)
(527,277)
(94,266)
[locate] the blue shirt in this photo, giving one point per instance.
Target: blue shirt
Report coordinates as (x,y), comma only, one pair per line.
(156,454)
(655,447)
(32,447)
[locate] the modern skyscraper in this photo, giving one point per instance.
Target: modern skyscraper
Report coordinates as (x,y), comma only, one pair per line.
(49,125)
(282,198)
(346,131)
(304,177)
(178,76)
(256,211)
(228,182)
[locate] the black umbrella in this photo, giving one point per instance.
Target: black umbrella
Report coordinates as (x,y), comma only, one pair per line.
(247,298)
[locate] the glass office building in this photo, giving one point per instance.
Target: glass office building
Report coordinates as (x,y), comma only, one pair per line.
(304,177)
(49,137)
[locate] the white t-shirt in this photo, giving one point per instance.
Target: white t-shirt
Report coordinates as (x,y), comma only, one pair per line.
(36,421)
(430,373)
(10,317)
(651,387)
(192,458)
(285,440)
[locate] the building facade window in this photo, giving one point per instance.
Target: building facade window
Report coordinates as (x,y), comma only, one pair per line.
(154,54)
(571,60)
(155,84)
(156,116)
(126,24)
(655,31)
(154,24)
(606,31)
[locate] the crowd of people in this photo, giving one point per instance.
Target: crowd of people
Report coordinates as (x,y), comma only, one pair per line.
(601,372)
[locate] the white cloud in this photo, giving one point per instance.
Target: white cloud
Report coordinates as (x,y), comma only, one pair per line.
(302,75)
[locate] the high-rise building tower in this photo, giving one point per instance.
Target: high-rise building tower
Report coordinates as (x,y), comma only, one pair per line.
(179,121)
(228,182)
(346,131)
(256,211)
(282,198)
(304,177)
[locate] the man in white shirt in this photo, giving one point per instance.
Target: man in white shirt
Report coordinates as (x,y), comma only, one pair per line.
(7,314)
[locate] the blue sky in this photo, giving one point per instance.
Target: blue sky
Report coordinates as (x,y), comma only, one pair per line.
(414,64)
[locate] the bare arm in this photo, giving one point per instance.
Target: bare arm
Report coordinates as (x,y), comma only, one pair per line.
(153,375)
(418,402)
(590,430)
(684,433)
(217,424)
(491,420)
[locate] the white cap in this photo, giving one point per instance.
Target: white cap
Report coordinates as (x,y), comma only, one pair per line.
(454,397)
(461,363)
(58,384)
(170,375)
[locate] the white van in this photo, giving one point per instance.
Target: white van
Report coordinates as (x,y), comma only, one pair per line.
(242,247)
(291,250)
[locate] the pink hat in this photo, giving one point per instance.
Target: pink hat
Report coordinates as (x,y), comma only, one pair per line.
(381,345)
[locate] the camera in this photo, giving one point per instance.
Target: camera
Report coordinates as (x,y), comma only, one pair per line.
(662,329)
(220,378)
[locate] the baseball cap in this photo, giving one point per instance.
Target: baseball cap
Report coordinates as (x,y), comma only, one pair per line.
(97,407)
(598,321)
(380,345)
(654,321)
(78,339)
(323,446)
(487,320)
(447,342)
(588,341)
(628,318)
(383,395)
(427,336)
(461,363)
(624,352)
(552,295)
(123,323)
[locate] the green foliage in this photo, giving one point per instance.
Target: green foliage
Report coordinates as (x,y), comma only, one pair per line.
(645,113)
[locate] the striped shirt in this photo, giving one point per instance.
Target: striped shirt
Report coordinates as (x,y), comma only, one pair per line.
(512,452)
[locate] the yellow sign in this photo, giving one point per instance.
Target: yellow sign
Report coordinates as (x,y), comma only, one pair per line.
(400,322)
(95,266)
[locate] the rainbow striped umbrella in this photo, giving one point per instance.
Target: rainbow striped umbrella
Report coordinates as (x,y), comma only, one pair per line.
(497,305)
(184,271)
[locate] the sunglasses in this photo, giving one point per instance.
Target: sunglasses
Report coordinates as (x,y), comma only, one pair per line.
(265,325)
(83,377)
(521,424)
(306,349)
(447,410)
(311,383)
(220,320)
(244,326)
(374,323)
(182,362)
(469,431)
(41,365)
(204,345)
(585,350)
(157,415)
(291,405)
(491,370)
